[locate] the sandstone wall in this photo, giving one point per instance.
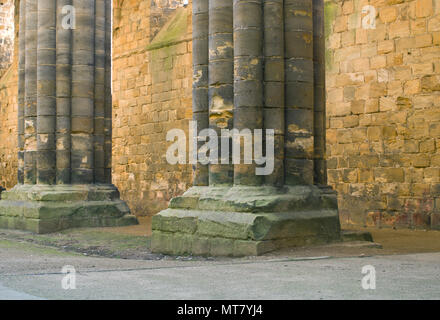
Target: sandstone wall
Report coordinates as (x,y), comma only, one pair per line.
(6,34)
(8,96)
(152,76)
(383,106)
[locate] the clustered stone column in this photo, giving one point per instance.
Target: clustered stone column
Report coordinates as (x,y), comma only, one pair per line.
(64,119)
(258,64)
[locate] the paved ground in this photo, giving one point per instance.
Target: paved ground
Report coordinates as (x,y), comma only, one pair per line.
(33,271)
(9,294)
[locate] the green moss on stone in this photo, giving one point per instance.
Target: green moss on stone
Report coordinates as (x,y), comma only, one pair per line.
(330,11)
(173,32)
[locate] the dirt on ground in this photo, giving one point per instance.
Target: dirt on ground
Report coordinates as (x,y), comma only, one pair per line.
(403,241)
(132,242)
(386,241)
(120,242)
(143,229)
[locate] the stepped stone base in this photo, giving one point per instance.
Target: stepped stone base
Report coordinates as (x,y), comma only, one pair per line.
(45,209)
(241,221)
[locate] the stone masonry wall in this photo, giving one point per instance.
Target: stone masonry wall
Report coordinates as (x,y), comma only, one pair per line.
(8,96)
(383,106)
(8,127)
(152,76)
(6,34)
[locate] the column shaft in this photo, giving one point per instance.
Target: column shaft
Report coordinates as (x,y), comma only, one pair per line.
(99,120)
(108,108)
(320,165)
(21,90)
(299,143)
(46,92)
(83,84)
(221,70)
(64,92)
(274,86)
(30,110)
(248,82)
(200,80)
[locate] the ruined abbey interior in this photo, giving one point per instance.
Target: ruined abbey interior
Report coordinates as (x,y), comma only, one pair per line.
(351,87)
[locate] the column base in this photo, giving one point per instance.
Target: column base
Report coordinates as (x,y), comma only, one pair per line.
(242,221)
(45,209)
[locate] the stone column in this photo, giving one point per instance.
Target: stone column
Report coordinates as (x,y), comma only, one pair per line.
(21,90)
(200,81)
(274,84)
(278,71)
(30,92)
(248,80)
(64,97)
(320,165)
(221,78)
(298,25)
(64,120)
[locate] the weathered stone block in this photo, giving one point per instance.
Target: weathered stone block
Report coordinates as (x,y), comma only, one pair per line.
(388,14)
(423,8)
(45,209)
(399,29)
(431,83)
(247,220)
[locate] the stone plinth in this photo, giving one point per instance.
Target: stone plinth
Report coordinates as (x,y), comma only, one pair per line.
(45,209)
(241,221)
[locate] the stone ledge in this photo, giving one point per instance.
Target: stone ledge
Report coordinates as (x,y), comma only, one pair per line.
(45,209)
(190,244)
(257,199)
(247,226)
(94,192)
